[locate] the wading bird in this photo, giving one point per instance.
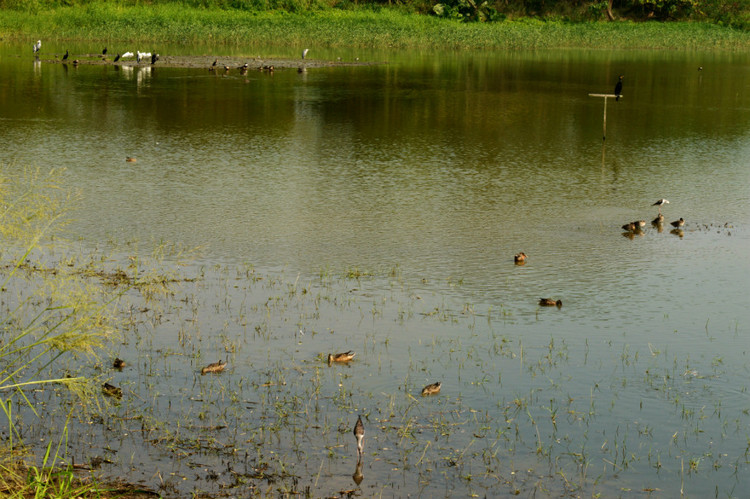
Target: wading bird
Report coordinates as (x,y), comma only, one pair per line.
(678,223)
(618,88)
(127,54)
(37,46)
(304,53)
(359,432)
(660,202)
(658,220)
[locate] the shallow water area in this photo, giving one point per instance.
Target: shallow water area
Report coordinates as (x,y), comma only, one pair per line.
(377,209)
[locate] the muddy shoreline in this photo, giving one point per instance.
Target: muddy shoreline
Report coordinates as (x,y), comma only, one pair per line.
(203,61)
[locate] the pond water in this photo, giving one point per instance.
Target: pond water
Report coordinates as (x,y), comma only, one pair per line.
(378,209)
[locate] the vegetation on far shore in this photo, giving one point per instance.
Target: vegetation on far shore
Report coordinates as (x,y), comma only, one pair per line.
(417,25)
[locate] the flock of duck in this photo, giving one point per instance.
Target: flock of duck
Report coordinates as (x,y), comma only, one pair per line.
(658,222)
(630,229)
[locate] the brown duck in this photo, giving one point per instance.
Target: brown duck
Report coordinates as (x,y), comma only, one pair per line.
(432,389)
(550,302)
(216,367)
(341,357)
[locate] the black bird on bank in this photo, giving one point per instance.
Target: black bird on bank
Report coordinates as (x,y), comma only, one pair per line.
(117,58)
(65,57)
(154,57)
(104,52)
(618,88)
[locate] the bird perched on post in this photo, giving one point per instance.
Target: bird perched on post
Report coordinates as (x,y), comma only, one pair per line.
(618,88)
(359,432)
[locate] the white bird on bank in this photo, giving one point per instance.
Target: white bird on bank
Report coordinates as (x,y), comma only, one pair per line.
(143,55)
(37,46)
(127,54)
(304,53)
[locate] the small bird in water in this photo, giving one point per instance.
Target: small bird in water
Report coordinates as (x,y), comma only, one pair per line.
(37,46)
(432,389)
(65,57)
(678,223)
(130,159)
(658,220)
(631,227)
(117,57)
(112,390)
(359,432)
(341,357)
(75,62)
(550,302)
(215,367)
(520,258)
(618,88)
(660,202)
(304,53)
(118,363)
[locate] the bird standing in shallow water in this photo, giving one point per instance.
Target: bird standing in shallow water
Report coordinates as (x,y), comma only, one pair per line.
(658,220)
(359,432)
(659,203)
(618,88)
(678,223)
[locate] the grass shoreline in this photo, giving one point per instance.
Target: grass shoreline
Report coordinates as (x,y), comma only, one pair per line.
(360,28)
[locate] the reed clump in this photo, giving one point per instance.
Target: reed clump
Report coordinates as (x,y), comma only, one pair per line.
(50,314)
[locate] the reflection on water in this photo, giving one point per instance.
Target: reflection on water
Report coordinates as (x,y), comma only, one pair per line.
(432,172)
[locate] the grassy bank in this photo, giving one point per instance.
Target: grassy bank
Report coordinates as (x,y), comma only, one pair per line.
(170,23)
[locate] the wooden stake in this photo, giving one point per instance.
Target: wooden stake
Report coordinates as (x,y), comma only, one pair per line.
(604,126)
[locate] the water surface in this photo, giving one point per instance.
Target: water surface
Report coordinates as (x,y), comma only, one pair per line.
(424,176)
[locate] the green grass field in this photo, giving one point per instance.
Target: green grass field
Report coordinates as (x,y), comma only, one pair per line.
(362,28)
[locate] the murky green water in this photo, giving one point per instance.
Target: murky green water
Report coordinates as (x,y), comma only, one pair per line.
(429,172)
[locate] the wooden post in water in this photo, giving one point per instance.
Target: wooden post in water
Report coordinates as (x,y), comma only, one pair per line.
(604,136)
